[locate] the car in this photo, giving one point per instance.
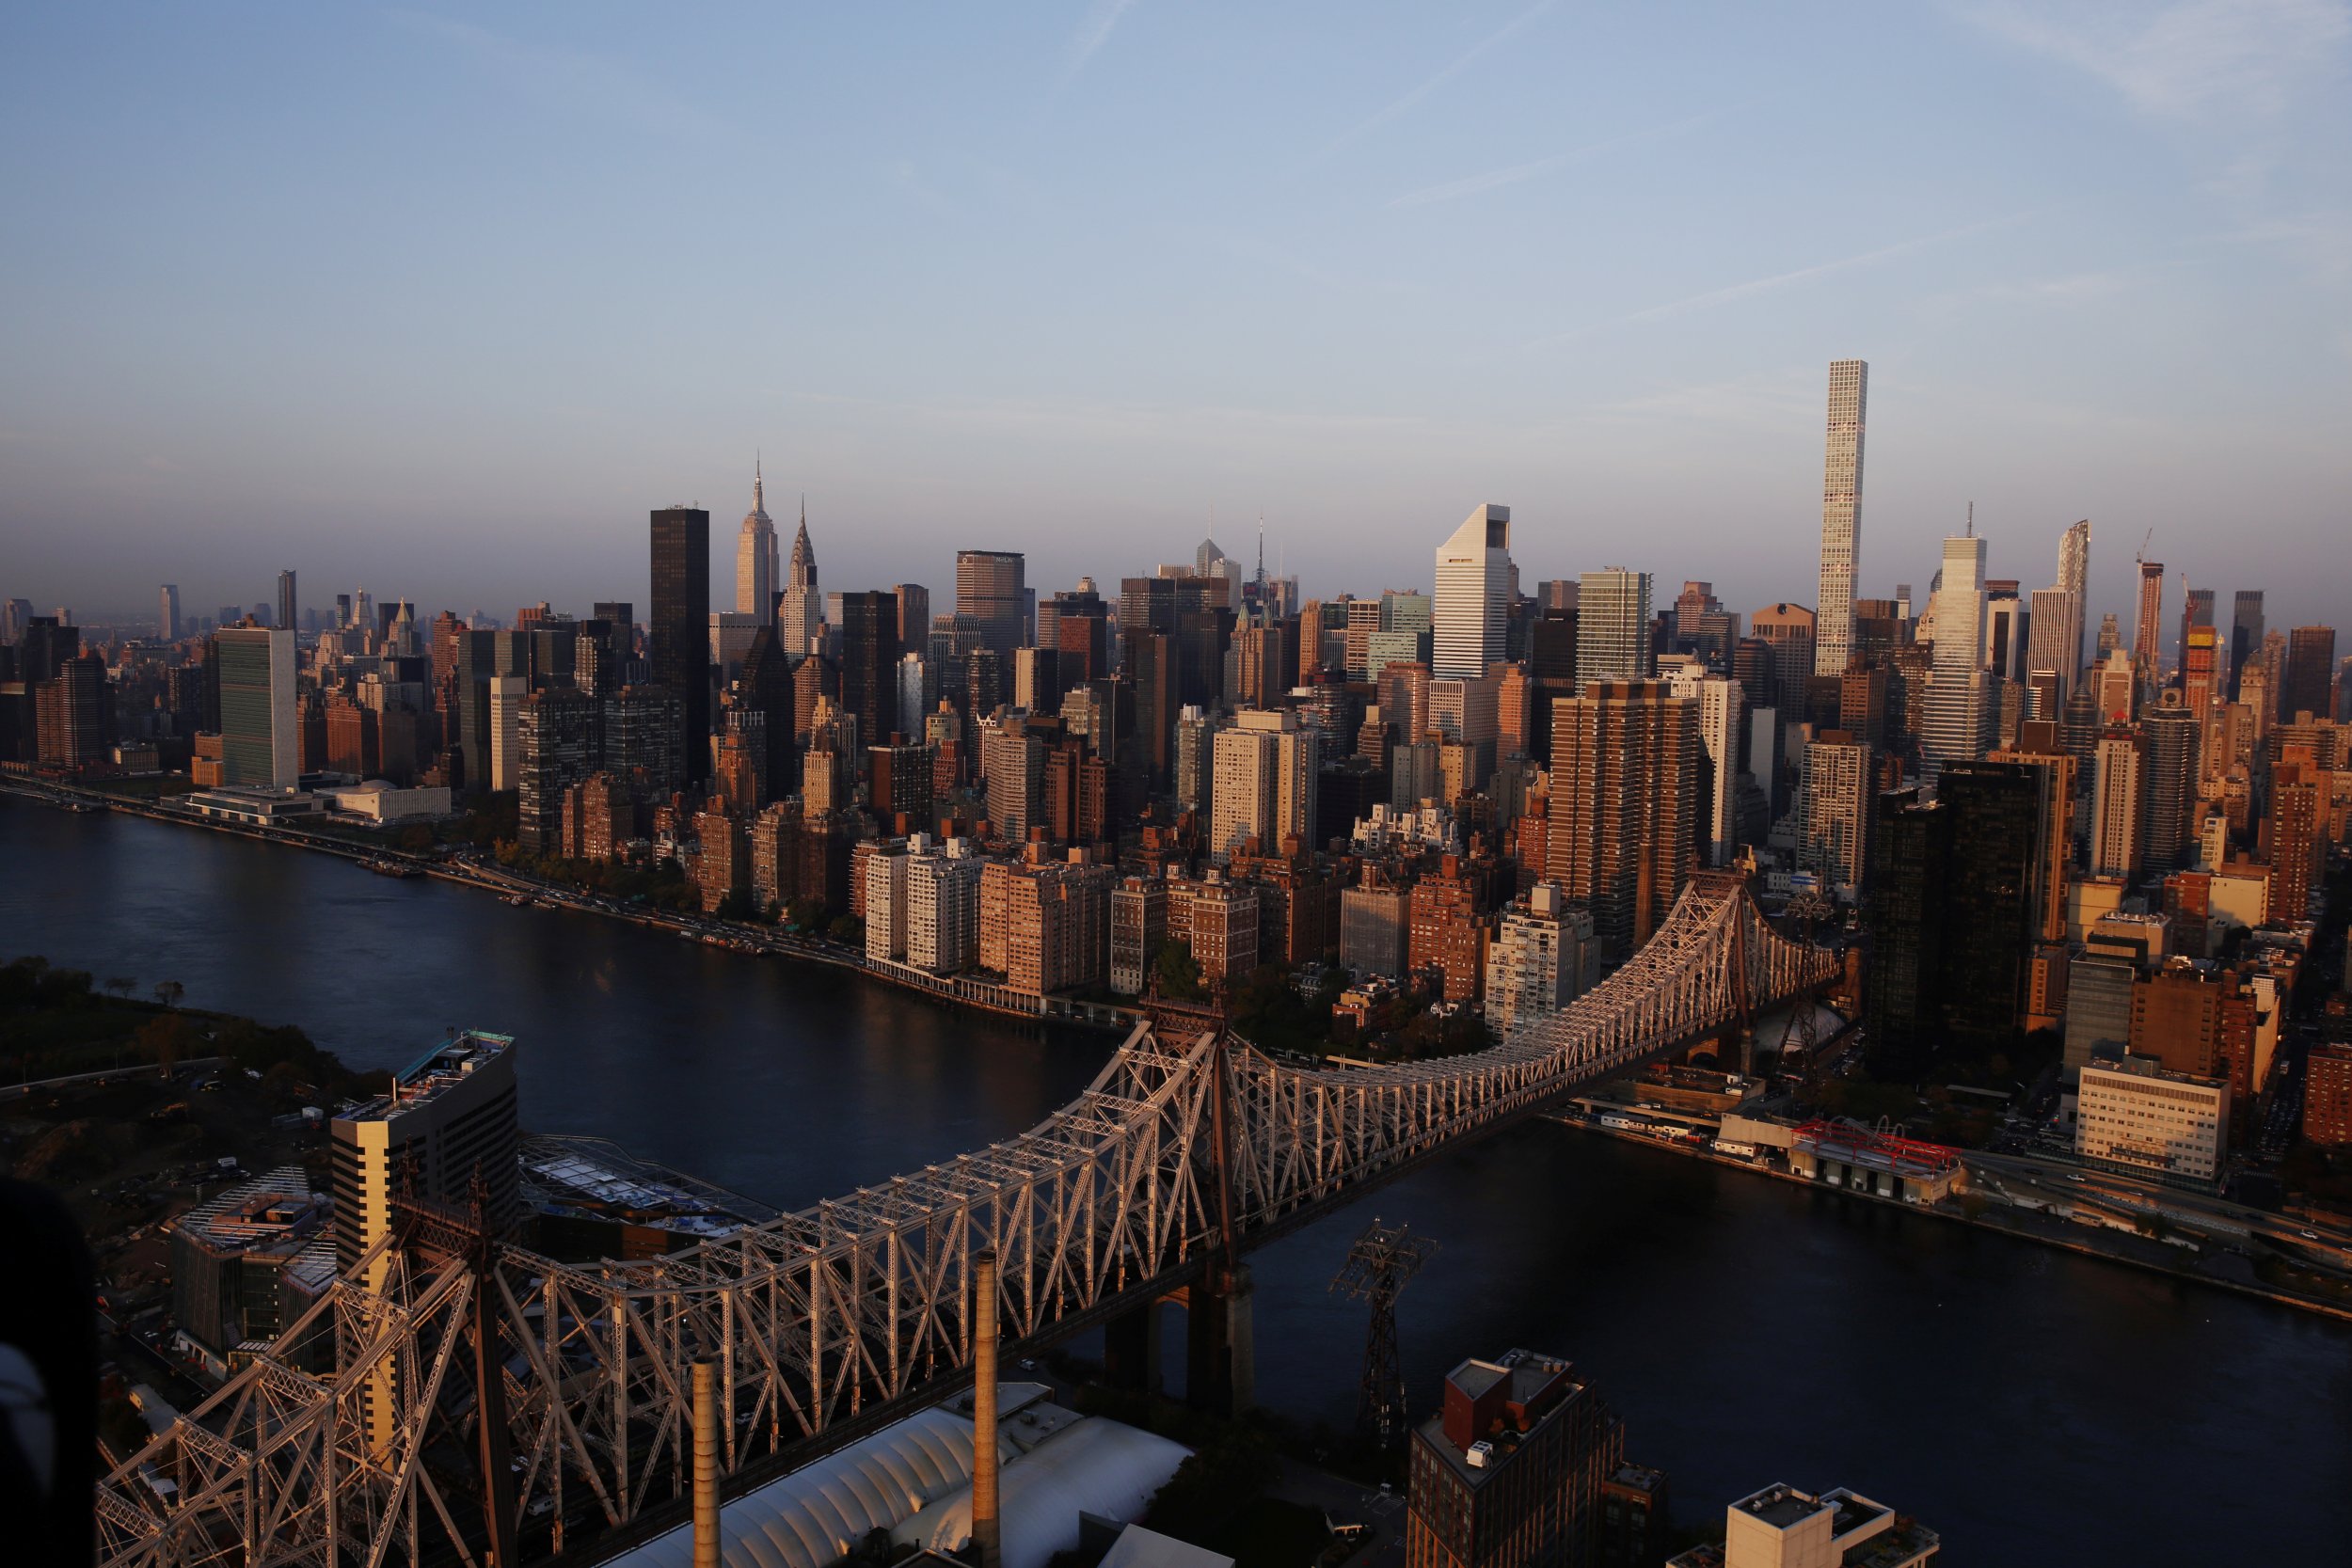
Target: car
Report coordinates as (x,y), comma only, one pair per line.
(2309,1235)
(2076,1179)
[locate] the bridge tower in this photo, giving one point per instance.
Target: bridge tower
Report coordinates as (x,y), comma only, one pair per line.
(1383,1260)
(470,1237)
(1220,1337)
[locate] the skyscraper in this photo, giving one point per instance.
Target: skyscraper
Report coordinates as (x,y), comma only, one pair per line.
(2147,656)
(1951,915)
(678,633)
(167,613)
(2055,631)
(287,610)
(1989,912)
(989,587)
(1264,768)
(2309,673)
(2246,635)
(1834,804)
(259,744)
(2171,732)
(1722,718)
(914,619)
(2196,611)
(1841,514)
(1958,714)
(756,557)
(1471,610)
(801,610)
(1612,630)
(2005,633)
(2117,804)
(554,749)
(767,689)
(1622,836)
(869,657)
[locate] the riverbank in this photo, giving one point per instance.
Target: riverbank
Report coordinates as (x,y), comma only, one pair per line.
(955,990)
(2042,1224)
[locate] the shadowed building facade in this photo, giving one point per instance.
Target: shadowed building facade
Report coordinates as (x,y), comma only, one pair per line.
(679,634)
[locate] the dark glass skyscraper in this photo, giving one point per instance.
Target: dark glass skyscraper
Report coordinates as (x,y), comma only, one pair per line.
(1989,913)
(2246,634)
(679,634)
(2172,752)
(2310,680)
(869,657)
(1951,916)
(766,686)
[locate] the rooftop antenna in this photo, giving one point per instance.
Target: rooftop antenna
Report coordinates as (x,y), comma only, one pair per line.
(1971,519)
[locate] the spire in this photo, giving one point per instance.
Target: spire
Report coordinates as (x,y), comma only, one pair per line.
(759,495)
(800,571)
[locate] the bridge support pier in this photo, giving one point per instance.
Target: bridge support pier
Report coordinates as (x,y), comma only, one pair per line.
(1220,1347)
(1131,1350)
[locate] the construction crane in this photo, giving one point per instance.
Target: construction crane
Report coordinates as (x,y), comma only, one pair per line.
(1380,1263)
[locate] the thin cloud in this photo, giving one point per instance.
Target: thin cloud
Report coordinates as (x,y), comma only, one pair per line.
(2190,59)
(1095,31)
(1755,286)
(1467,58)
(592,81)
(1494,179)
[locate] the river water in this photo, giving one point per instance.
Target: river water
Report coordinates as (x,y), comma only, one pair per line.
(2033,1405)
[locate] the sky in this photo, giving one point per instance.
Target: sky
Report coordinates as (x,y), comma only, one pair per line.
(441,302)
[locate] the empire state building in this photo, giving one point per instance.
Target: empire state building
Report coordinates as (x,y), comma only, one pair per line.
(755,558)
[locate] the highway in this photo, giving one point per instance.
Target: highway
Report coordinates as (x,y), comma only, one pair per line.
(2053,1181)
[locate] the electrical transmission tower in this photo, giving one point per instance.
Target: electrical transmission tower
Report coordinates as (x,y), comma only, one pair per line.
(1378,1265)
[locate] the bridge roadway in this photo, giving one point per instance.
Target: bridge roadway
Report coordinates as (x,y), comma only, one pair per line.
(1190,1147)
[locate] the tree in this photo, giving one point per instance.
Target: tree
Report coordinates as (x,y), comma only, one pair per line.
(119,986)
(1177,971)
(168,992)
(164,1040)
(1214,1483)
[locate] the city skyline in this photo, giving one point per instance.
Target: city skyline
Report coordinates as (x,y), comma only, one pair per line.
(1488,605)
(2118,331)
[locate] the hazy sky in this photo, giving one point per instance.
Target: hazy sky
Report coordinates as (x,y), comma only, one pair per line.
(441,302)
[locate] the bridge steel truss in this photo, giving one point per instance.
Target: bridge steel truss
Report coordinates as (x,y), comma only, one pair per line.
(823,1322)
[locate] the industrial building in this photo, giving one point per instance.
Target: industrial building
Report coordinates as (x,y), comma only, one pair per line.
(1845,1155)
(586,1198)
(235,1273)
(913,1480)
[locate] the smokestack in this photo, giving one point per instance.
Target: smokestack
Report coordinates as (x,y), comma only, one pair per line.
(705,1466)
(987,1533)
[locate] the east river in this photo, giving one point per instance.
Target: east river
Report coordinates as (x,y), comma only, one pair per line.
(2035,1406)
